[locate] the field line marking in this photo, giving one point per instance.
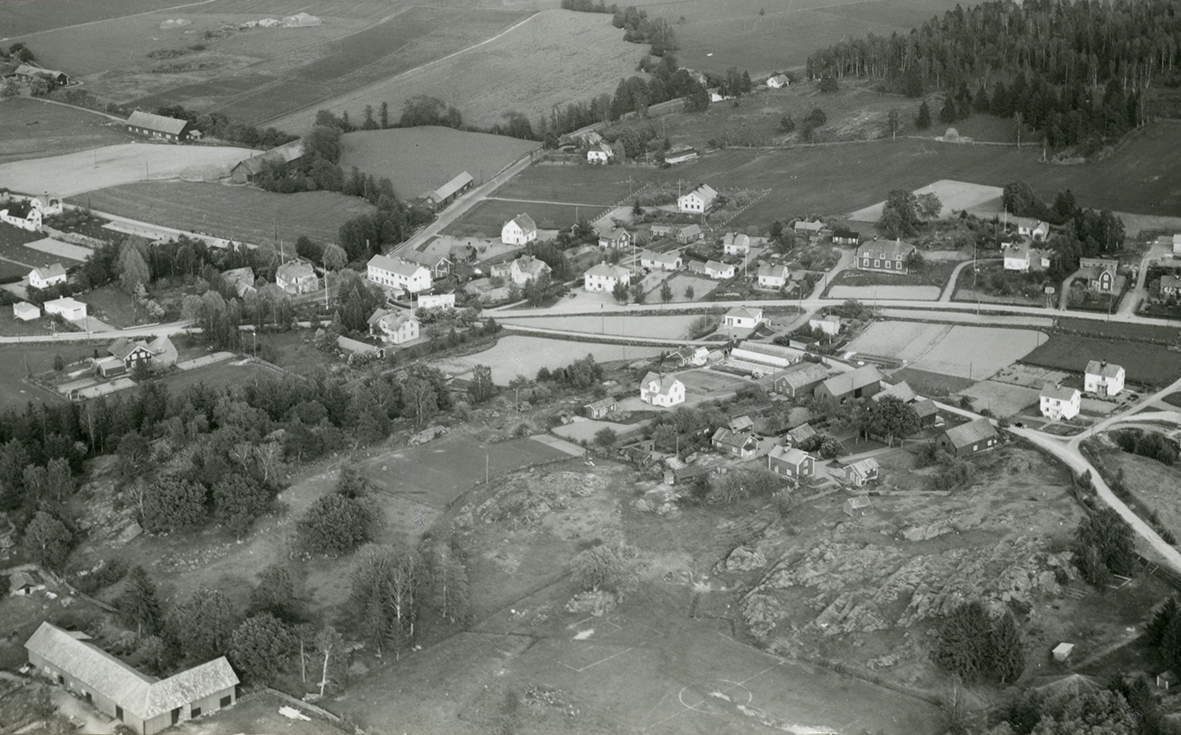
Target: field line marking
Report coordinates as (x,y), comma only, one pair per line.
(596,663)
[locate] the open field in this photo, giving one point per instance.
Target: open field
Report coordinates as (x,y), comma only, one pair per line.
(35,129)
(666,327)
(513,356)
(239,213)
(554,58)
(957,350)
(1003,399)
(602,186)
(74,173)
(954,195)
(418,160)
(17,361)
(486,218)
(23,17)
(1157,485)
(1144,362)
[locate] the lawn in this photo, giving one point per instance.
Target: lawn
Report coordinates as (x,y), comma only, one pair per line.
(112,305)
(935,273)
(34,129)
(18,361)
(1145,363)
(418,160)
(243,214)
(993,284)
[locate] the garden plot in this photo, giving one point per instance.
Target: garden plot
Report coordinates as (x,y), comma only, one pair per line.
(513,356)
(681,282)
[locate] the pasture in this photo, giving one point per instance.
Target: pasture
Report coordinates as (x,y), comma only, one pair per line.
(515,355)
(242,214)
(1145,363)
(553,58)
(75,173)
(34,129)
(418,160)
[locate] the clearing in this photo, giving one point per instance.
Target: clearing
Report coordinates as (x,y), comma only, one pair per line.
(419,160)
(75,173)
(239,213)
(513,356)
(34,129)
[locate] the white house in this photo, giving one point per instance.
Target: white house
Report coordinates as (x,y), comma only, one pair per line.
(660,261)
(50,275)
(1023,259)
(697,201)
(662,390)
(1036,230)
(718,271)
(435,301)
(394,326)
(773,276)
(46,204)
(527,268)
(68,308)
(392,273)
(604,277)
(830,325)
(1059,402)
(520,230)
(735,244)
(1104,378)
(743,317)
(296,277)
(601,154)
(779,81)
(25,311)
(1176,245)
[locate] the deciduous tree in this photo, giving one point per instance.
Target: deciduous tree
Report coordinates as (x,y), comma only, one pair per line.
(47,541)
(259,648)
(203,624)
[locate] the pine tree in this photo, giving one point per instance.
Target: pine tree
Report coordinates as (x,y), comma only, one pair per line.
(1008,653)
(948,113)
(139,602)
(923,121)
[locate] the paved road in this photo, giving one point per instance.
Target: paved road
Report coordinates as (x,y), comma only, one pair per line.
(1135,295)
(170,329)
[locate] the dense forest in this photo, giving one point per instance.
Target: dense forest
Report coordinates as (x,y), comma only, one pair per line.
(1081,71)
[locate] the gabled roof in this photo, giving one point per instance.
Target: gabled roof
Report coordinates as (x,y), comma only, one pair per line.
(143,695)
(613,233)
(808,225)
(1058,392)
(609,270)
(525,222)
(740,240)
(740,423)
(803,432)
(688,230)
(845,383)
(804,373)
(294,270)
(730,438)
(666,382)
(30,70)
(713,265)
(160,123)
(394,265)
(902,391)
(50,271)
(123,347)
(790,455)
(864,467)
(924,407)
(767,270)
(885,249)
(968,434)
(1173,282)
(452,186)
(743,312)
(239,275)
(705,192)
(531,265)
(670,257)
(353,345)
(602,403)
(1103,369)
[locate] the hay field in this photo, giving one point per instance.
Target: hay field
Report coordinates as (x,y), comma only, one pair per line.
(243,214)
(34,129)
(486,218)
(1147,364)
(954,195)
(553,58)
(75,173)
(418,160)
(597,185)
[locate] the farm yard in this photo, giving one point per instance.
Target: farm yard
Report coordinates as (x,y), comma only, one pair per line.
(1145,363)
(954,350)
(242,214)
(515,355)
(418,160)
(34,129)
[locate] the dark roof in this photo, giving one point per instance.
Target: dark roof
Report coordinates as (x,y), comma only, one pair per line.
(846,383)
(968,434)
(885,249)
(147,120)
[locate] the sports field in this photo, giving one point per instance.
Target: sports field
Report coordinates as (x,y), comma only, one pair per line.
(34,129)
(418,160)
(243,214)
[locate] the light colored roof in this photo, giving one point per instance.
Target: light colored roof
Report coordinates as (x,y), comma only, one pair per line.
(525,222)
(123,347)
(791,455)
(743,312)
(740,423)
(864,466)
(666,382)
(924,406)
(50,271)
(778,79)
(1103,369)
(706,192)
(24,307)
(809,225)
(609,270)
(295,269)
(733,438)
(714,265)
(767,270)
(160,123)
(394,265)
(844,383)
(828,319)
(285,153)
(970,433)
(453,186)
(613,233)
(690,230)
(30,70)
(66,302)
(239,275)
(531,265)
(135,692)
(602,403)
(902,391)
(885,249)
(804,373)
(669,257)
(353,345)
(1059,392)
(801,432)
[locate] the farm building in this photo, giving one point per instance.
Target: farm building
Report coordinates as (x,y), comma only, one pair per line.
(968,438)
(449,192)
(773,276)
(860,383)
(735,244)
(697,201)
(902,391)
(394,326)
(1024,259)
(800,379)
(862,472)
(392,273)
(736,443)
(27,73)
(830,325)
(689,356)
(355,347)
(779,81)
(742,423)
(68,308)
(435,301)
(433,257)
(742,317)
(927,411)
(50,275)
(763,356)
(280,157)
(680,154)
(794,464)
(845,236)
(689,233)
(660,261)
(1034,229)
(158,126)
(797,436)
(143,703)
(662,390)
(520,230)
(663,230)
(242,279)
(1099,273)
(615,237)
(605,276)
(1059,402)
(1104,378)
(25,311)
(885,256)
(718,271)
(814,230)
(527,268)
(296,277)
(601,408)
(22,584)
(601,154)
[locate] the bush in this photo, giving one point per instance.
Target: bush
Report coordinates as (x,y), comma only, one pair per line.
(102,575)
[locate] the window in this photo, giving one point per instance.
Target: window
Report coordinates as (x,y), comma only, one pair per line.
(877,263)
(61,679)
(196,712)
(119,713)
(898,265)
(887,265)
(176,715)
